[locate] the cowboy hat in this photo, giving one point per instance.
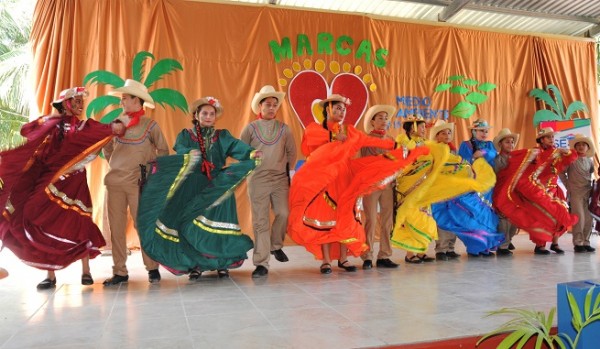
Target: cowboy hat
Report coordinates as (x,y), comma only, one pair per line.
(135,88)
(212,101)
(504,133)
(68,94)
(546,131)
(370,114)
(439,126)
(480,124)
(334,98)
(265,92)
(579,138)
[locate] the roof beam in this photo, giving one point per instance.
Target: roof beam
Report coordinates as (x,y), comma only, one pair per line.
(593,31)
(452,9)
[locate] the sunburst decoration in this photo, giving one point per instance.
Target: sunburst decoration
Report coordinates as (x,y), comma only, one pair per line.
(334,67)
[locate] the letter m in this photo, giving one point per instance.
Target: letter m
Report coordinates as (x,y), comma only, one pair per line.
(282,51)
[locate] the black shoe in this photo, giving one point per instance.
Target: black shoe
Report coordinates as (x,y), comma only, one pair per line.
(153,276)
(260,271)
(86,279)
(511,246)
(46,284)
(487,254)
(452,255)
(413,260)
(442,256)
(115,280)
(579,249)
(223,273)
(280,255)
(540,250)
(504,252)
(325,268)
(426,258)
(368,264)
(589,249)
(557,249)
(346,266)
(386,263)
(195,275)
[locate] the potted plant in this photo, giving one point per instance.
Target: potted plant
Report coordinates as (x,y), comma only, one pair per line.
(528,324)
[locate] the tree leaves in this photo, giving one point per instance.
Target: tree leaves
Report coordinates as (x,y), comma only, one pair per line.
(459,89)
(103,77)
(476,97)
(544,115)
(137,67)
(99,104)
(463,110)
(162,67)
(442,87)
(170,97)
(486,87)
(552,97)
(460,85)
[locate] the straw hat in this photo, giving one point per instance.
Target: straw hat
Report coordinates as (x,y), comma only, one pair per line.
(68,94)
(546,131)
(581,138)
(135,88)
(207,100)
(265,92)
(505,132)
(389,109)
(439,126)
(334,98)
(480,124)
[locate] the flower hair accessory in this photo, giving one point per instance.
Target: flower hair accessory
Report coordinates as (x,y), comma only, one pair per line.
(212,101)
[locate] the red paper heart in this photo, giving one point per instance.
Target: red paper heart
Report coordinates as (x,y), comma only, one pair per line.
(308,86)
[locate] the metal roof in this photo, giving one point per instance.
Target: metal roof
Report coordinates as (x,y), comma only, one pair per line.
(562,17)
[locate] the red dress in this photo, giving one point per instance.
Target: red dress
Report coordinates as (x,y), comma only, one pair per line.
(325,190)
(46,204)
(527,193)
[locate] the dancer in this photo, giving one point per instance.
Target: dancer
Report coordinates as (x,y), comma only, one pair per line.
(188,218)
(47,220)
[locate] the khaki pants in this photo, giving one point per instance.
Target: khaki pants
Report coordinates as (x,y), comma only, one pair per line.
(118,199)
(445,242)
(385,198)
(579,201)
(267,194)
(508,229)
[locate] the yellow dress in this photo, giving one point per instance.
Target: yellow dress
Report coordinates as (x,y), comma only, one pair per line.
(435,177)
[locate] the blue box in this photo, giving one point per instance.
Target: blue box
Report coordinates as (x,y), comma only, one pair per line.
(590,336)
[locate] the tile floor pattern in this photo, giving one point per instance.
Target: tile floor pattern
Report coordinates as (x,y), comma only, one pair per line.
(295,307)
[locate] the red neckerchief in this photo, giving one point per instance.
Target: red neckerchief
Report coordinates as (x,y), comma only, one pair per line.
(259,116)
(452,146)
(72,120)
(135,117)
(378,132)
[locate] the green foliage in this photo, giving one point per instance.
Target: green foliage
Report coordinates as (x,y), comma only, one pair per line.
(460,85)
(10,126)
(164,96)
(528,324)
(552,98)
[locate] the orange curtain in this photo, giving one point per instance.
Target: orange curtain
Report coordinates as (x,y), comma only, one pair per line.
(227,52)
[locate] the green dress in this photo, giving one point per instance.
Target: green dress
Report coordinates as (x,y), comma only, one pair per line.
(187,220)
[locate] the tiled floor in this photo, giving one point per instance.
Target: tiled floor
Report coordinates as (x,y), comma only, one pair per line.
(295,307)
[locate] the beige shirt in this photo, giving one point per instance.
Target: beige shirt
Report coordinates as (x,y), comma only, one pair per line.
(579,174)
(276,141)
(141,144)
(500,162)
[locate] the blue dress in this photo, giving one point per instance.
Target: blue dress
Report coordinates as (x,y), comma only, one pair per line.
(471,216)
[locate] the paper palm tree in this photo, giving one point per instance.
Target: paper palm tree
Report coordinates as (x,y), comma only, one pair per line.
(162,96)
(556,104)
(471,90)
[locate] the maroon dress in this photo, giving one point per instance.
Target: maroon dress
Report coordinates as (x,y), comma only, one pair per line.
(45,201)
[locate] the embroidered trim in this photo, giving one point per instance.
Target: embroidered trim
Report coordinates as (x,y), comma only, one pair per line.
(318,224)
(166,232)
(66,202)
(217,227)
(268,139)
(140,136)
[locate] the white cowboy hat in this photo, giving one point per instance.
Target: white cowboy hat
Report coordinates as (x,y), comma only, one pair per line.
(505,132)
(135,88)
(579,138)
(480,124)
(266,92)
(546,131)
(389,109)
(439,126)
(68,94)
(207,101)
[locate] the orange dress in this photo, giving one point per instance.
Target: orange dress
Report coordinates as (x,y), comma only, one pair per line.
(325,190)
